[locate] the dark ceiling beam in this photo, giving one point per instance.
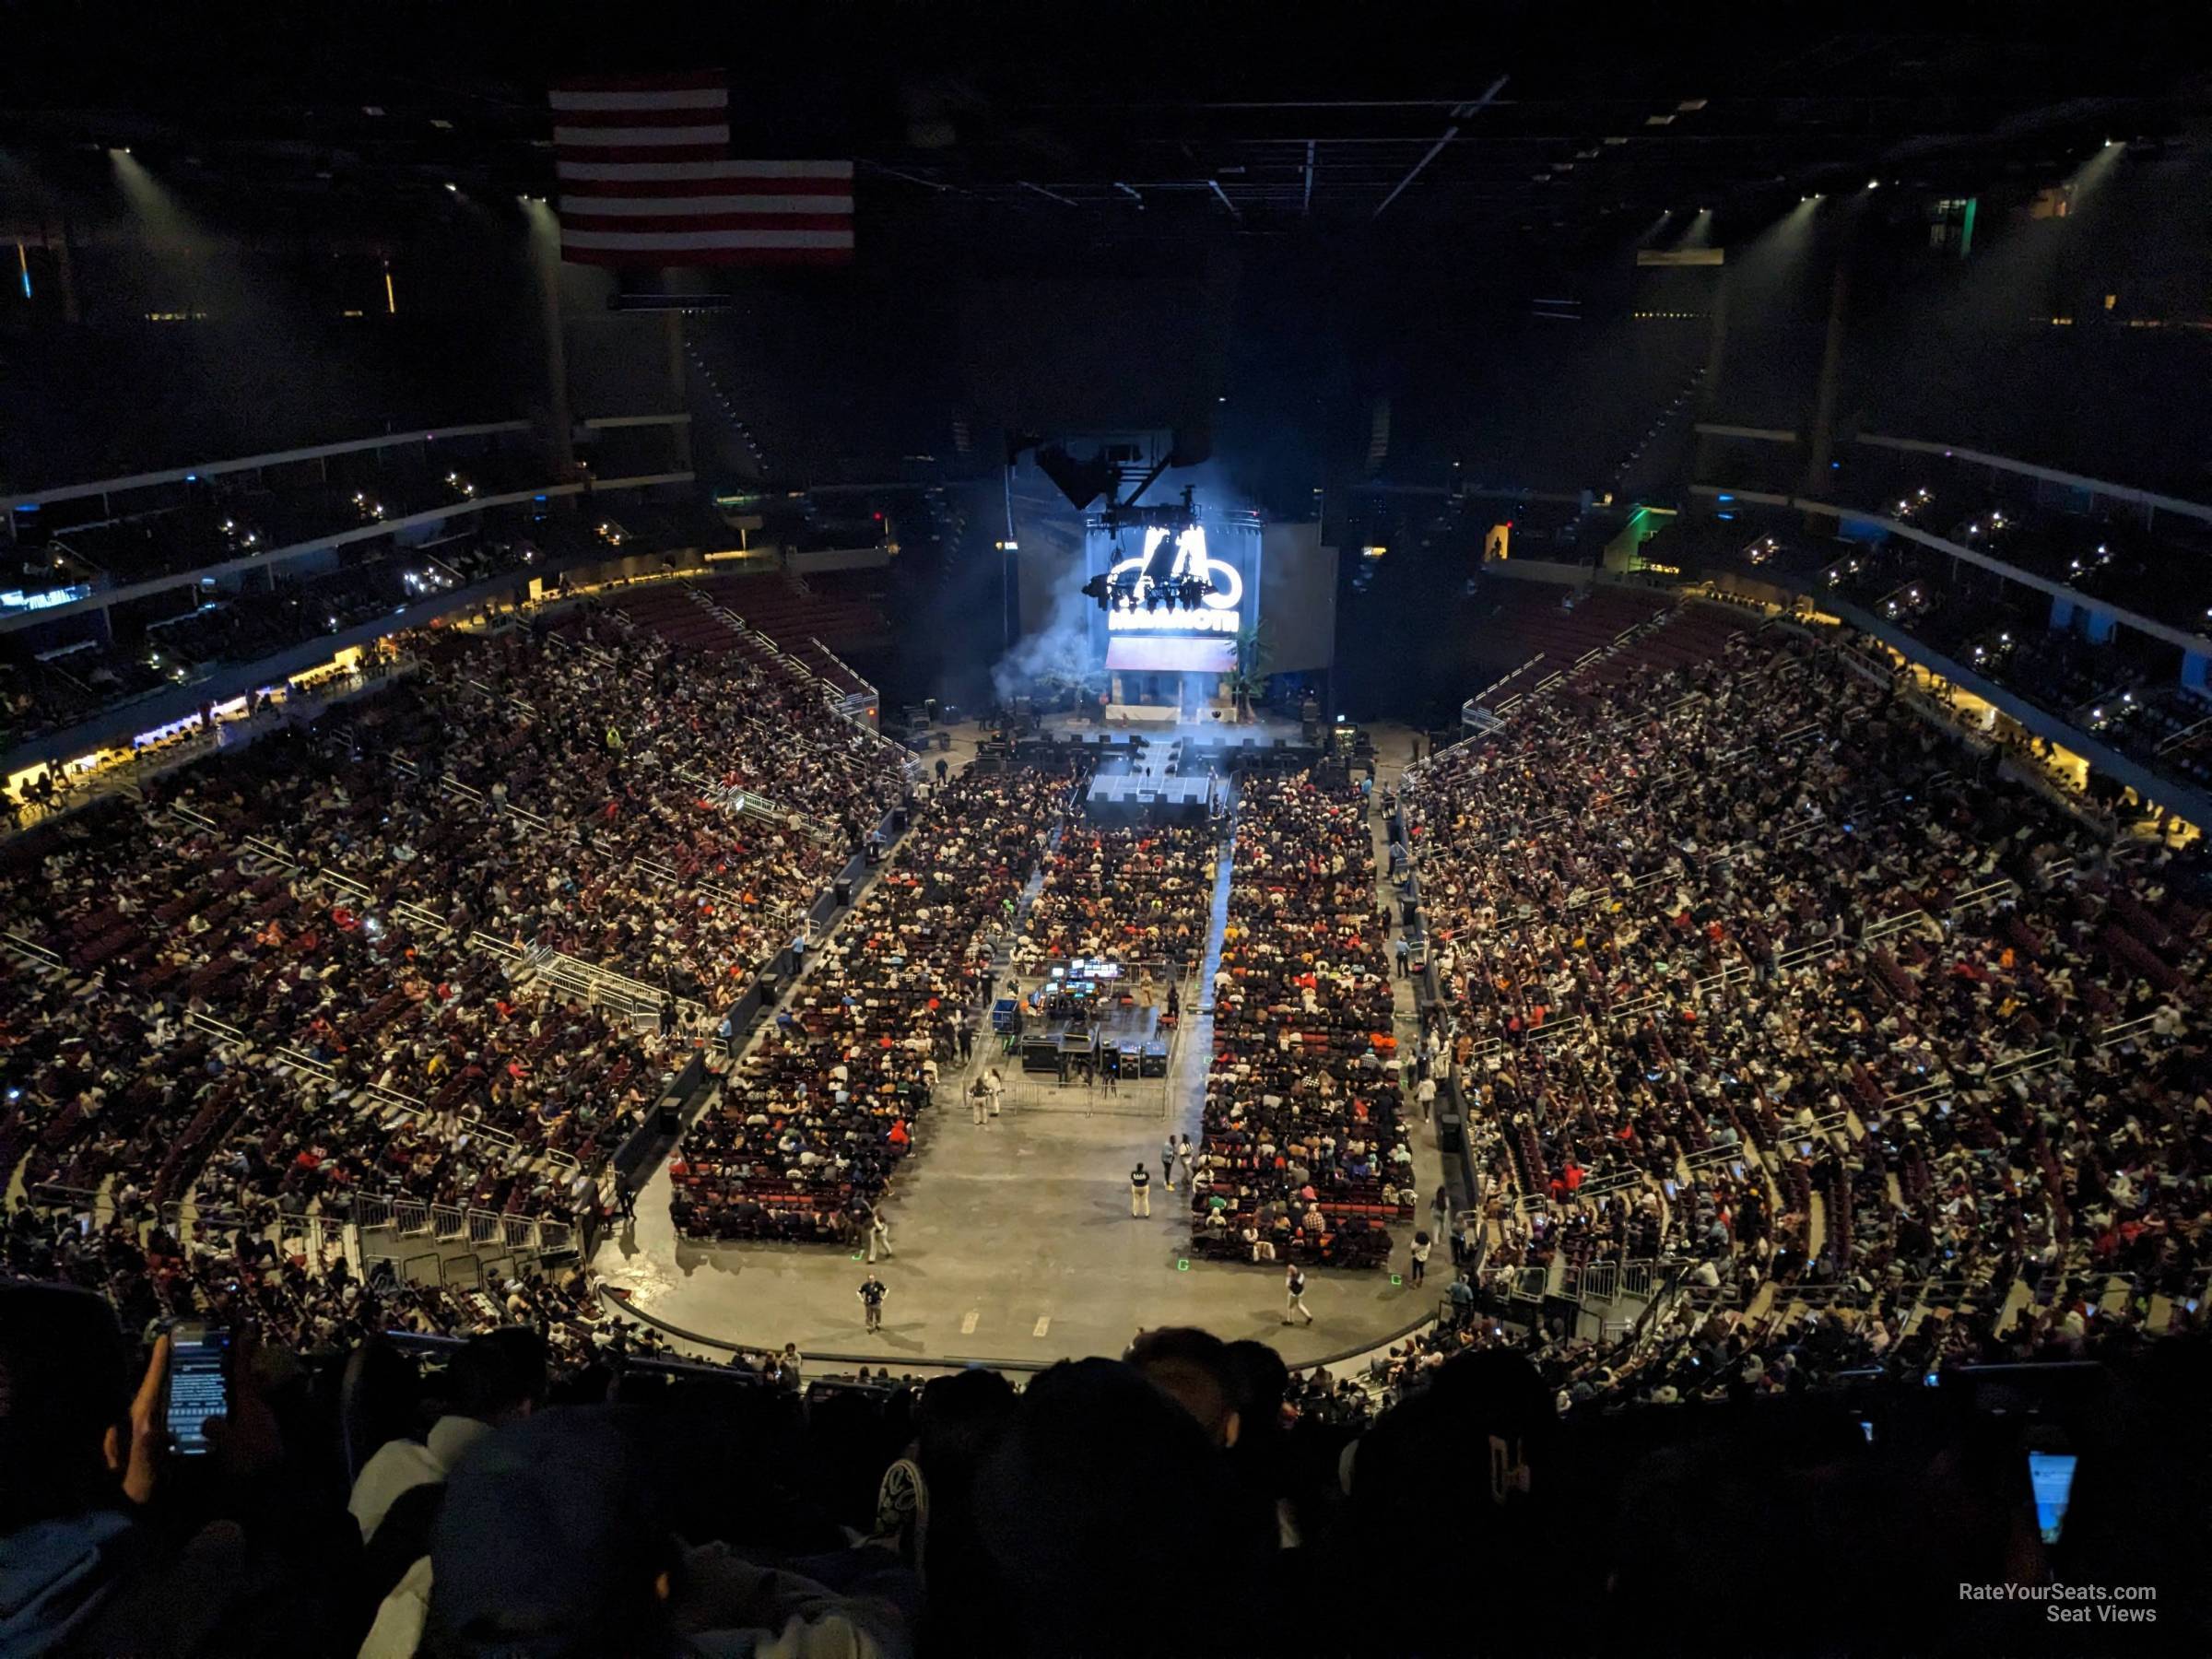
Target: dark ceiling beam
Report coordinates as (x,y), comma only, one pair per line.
(1052,195)
(1464,111)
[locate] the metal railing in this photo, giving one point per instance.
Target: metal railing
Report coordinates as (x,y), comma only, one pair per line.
(507,950)
(31,953)
(196,1021)
(414,915)
(602,987)
(1989,892)
(867,689)
(2020,1065)
(268,852)
(287,1058)
(1597,1282)
(1912,1097)
(1804,956)
(747,803)
(2125,1031)
(450,1223)
(1903,921)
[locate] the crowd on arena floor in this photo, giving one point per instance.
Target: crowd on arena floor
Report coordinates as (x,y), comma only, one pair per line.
(811,1123)
(1130,894)
(1304,1155)
(1753,966)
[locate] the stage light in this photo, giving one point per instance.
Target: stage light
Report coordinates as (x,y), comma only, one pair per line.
(1874,183)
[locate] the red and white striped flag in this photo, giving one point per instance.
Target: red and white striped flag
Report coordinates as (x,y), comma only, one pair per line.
(646,178)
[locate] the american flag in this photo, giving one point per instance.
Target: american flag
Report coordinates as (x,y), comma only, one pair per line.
(647,178)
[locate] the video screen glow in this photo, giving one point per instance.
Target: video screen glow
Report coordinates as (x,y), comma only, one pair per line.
(1219,613)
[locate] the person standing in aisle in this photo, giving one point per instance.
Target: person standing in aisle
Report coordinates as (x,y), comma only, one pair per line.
(1189,1154)
(1140,1190)
(967,1035)
(1439,1208)
(880,1234)
(1294,1294)
(1167,1163)
(1425,1092)
(1420,1257)
(979,1100)
(994,1087)
(1110,1068)
(871,1292)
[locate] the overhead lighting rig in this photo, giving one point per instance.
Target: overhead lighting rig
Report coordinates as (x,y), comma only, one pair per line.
(1138,592)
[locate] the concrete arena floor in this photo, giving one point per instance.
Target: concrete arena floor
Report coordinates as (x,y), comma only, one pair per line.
(1014,1243)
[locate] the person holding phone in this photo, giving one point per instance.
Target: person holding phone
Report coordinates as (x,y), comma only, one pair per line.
(84,1452)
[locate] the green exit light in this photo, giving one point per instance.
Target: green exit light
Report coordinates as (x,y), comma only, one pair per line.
(1396,1280)
(1183,1264)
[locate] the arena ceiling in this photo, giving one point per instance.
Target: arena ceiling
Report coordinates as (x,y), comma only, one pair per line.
(1128,122)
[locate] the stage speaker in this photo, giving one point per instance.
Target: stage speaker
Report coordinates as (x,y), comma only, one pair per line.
(1451,1132)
